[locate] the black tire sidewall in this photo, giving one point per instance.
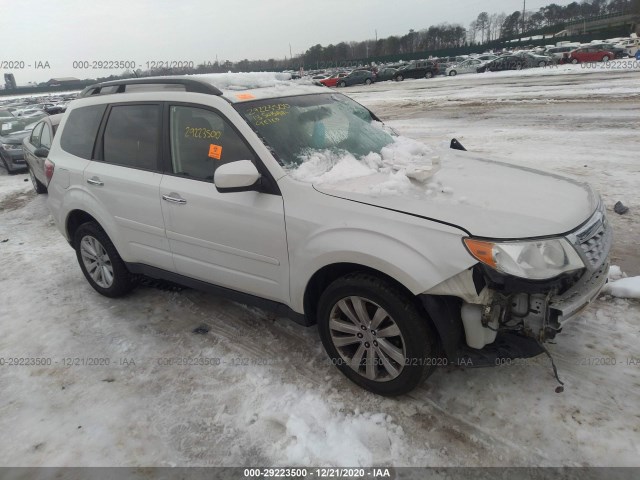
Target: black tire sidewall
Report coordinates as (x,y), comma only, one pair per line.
(38,187)
(417,334)
(123,281)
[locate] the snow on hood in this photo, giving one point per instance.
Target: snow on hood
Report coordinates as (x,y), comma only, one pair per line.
(485,198)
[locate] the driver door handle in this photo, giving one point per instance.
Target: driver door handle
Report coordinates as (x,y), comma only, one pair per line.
(174,198)
(95,181)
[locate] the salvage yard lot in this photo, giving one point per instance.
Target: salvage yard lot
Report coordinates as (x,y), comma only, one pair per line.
(261,391)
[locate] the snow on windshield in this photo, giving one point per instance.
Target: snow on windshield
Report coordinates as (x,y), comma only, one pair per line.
(401,165)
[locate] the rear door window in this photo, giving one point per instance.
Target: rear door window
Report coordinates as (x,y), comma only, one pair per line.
(132,136)
(81,129)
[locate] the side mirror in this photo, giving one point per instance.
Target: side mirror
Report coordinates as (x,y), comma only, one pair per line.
(240,176)
(41,152)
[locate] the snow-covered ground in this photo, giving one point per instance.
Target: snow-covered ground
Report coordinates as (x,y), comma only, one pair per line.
(270,398)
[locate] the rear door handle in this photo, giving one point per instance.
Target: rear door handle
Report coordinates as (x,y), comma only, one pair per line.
(95,181)
(174,198)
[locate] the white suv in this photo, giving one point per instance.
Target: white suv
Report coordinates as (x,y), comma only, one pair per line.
(298,199)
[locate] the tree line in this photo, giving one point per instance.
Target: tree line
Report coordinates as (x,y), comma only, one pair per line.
(485,28)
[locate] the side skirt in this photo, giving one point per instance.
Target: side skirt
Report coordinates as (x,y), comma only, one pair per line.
(279,309)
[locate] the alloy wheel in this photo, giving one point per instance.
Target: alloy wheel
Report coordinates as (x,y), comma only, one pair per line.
(367,338)
(96,260)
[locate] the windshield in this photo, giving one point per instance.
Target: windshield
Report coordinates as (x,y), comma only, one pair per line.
(295,127)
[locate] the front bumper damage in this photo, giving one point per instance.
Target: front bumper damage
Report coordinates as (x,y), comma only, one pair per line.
(506,317)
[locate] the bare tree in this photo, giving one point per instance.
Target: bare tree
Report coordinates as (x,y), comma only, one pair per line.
(481,22)
(472,32)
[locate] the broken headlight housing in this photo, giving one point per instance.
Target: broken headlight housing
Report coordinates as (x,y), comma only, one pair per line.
(530,259)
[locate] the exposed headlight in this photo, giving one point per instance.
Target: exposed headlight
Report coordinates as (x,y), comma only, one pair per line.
(10,146)
(533,259)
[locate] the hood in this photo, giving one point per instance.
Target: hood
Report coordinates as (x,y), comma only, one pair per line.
(15,138)
(484,198)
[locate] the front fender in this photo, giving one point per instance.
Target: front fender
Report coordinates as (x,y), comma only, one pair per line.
(418,269)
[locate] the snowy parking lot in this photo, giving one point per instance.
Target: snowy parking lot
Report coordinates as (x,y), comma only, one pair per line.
(169,377)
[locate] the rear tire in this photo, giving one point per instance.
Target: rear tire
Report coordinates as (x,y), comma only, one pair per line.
(373,324)
(399,78)
(368,81)
(605,58)
(428,75)
(575,61)
(342,84)
(37,185)
(542,64)
(453,73)
(100,262)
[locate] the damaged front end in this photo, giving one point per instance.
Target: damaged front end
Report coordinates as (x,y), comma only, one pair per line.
(495,312)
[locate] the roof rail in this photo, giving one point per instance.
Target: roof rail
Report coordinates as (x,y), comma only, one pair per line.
(190,85)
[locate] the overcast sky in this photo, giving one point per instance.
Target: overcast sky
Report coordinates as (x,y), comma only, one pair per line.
(61,31)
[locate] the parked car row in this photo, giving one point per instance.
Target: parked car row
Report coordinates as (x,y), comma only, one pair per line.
(532,57)
(26,129)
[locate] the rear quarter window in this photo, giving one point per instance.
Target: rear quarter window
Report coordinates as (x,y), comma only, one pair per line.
(79,134)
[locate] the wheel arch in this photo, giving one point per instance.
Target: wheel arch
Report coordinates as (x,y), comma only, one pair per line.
(74,219)
(441,312)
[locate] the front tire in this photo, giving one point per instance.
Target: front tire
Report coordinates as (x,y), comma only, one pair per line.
(368,81)
(100,262)
(376,336)
(342,84)
(428,75)
(605,58)
(399,78)
(453,73)
(542,64)
(574,61)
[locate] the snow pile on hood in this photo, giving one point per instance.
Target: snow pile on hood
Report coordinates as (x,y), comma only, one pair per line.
(392,171)
(246,81)
(620,285)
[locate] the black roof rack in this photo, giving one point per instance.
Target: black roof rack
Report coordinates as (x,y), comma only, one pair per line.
(190,85)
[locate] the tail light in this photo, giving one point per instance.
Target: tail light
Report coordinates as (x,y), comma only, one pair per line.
(48,170)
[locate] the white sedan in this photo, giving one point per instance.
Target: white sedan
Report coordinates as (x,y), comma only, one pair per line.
(468,66)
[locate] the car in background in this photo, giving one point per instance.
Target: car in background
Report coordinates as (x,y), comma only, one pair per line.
(12,132)
(28,111)
(485,57)
(35,148)
(417,69)
(53,108)
(6,113)
(505,62)
(468,66)
(558,53)
(631,46)
(534,60)
(333,80)
(590,54)
(386,74)
(618,52)
(357,77)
